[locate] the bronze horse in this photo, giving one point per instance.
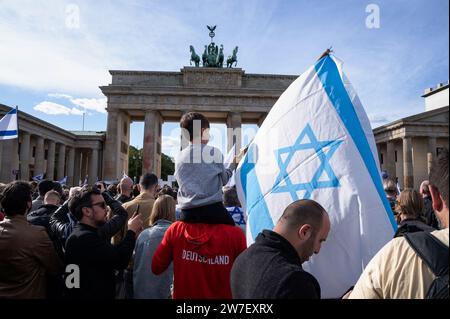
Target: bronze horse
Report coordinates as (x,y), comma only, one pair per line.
(233,58)
(194,57)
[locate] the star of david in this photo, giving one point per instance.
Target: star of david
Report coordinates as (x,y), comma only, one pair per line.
(283,183)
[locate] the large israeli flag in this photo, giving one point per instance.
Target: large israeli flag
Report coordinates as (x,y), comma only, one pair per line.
(317,143)
(8,125)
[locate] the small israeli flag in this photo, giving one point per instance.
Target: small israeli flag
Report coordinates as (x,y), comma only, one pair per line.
(38,177)
(63,181)
(317,143)
(8,125)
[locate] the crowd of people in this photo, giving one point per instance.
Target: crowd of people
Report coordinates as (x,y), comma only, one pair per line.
(145,241)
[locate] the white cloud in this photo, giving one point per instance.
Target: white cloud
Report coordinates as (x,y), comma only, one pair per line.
(171,144)
(40,52)
(378,118)
(98,105)
(56,109)
(59,96)
(94,104)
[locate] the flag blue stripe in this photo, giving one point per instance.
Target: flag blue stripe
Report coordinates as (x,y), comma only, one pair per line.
(8,133)
(257,210)
(13,111)
(328,74)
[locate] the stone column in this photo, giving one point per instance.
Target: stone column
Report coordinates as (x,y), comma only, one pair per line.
(14,158)
(84,165)
(111,161)
(152,143)
(8,160)
(4,169)
(184,136)
(234,131)
(408,177)
(61,162)
(25,156)
(390,159)
(39,157)
(70,167)
(93,167)
(77,165)
(431,153)
(51,160)
(261,120)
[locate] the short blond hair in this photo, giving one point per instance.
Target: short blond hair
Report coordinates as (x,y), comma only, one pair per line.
(163,208)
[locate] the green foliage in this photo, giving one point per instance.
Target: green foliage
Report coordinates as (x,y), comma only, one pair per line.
(135,158)
(167,166)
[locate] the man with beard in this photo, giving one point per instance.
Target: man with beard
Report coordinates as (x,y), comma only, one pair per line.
(271,268)
(96,258)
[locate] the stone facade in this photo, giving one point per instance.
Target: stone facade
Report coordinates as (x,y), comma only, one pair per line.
(44,148)
(406,147)
(223,95)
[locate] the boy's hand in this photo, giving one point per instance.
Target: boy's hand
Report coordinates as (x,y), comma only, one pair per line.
(241,154)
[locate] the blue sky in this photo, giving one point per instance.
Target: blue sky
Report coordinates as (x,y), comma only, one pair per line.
(52,63)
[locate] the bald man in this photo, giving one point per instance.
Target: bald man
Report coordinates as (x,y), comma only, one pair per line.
(126,188)
(271,268)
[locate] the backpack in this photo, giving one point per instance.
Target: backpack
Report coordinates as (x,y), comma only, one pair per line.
(435,255)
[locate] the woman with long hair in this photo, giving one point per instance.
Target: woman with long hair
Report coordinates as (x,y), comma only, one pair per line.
(146,285)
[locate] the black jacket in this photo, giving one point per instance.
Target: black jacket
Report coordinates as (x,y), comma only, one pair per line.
(271,269)
(97,260)
(428,213)
(62,222)
(41,217)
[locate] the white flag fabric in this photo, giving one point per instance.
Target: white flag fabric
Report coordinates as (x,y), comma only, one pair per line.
(317,143)
(8,125)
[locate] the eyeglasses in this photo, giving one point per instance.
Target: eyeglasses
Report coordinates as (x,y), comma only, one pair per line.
(100,204)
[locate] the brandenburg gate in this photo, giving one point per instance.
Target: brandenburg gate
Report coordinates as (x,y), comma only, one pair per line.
(223,94)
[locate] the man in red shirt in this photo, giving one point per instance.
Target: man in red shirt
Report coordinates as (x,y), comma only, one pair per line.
(202,256)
